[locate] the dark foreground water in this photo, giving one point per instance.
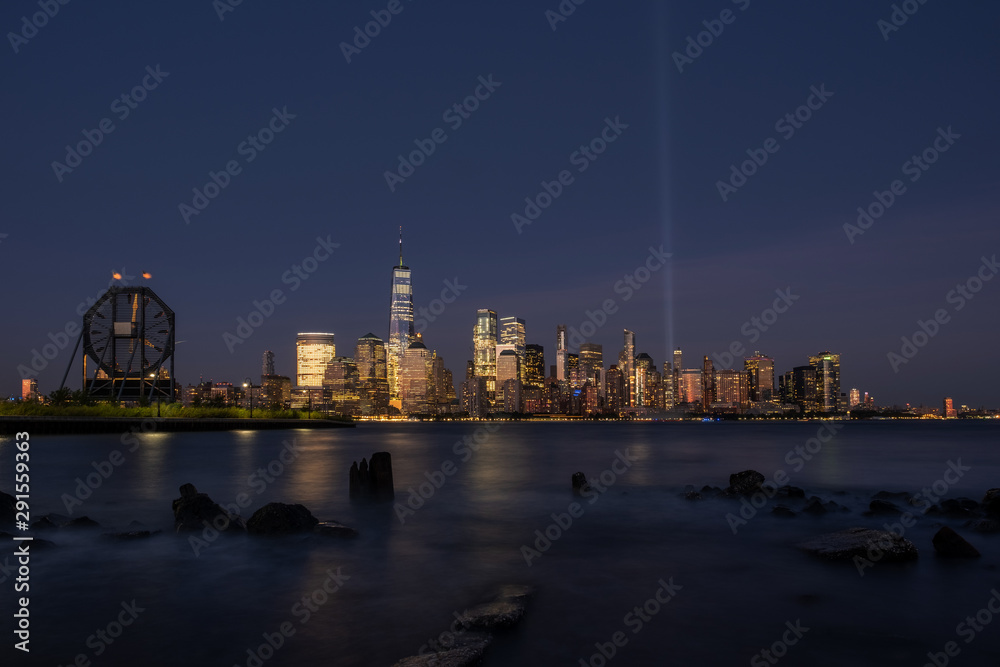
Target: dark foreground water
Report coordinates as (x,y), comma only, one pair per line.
(402,581)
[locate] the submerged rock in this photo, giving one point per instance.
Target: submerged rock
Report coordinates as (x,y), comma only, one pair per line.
(580,483)
(781,510)
(193,510)
(861,542)
(372,481)
(991,503)
(882,508)
(82,522)
(334,529)
(467,651)
(506,609)
(892,495)
(745,483)
(130,535)
(959,508)
(791,492)
(950,544)
(281,518)
(984,525)
(45,523)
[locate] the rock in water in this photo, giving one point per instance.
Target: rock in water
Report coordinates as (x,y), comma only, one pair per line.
(467,651)
(745,483)
(950,544)
(280,518)
(193,510)
(991,503)
(372,482)
(580,483)
(882,508)
(861,542)
(504,611)
(334,529)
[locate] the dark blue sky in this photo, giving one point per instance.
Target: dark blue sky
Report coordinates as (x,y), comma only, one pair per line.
(323,176)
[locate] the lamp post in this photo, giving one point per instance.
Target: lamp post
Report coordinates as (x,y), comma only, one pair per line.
(248,386)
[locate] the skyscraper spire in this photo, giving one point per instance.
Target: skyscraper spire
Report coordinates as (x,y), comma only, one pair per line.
(401,245)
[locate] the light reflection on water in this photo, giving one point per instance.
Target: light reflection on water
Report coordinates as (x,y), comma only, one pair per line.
(406,579)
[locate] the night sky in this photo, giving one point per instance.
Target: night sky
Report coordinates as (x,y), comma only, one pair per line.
(343,125)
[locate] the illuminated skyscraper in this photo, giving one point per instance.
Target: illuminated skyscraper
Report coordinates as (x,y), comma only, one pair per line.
(561,353)
(615,387)
(592,365)
(690,383)
(373,383)
(534,362)
(313,351)
(267,363)
(761,373)
(340,386)
(512,333)
(855,398)
(707,383)
(827,367)
(509,380)
(400,322)
(29,389)
(732,387)
(678,366)
(643,369)
(416,380)
(626,364)
(484,342)
(949,411)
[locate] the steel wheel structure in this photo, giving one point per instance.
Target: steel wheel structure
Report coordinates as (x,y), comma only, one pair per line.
(128,339)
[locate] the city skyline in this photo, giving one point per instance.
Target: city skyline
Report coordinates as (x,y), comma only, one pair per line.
(612,156)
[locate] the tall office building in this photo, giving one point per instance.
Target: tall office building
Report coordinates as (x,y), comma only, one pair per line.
(761,374)
(800,387)
(313,351)
(827,367)
(509,380)
(615,388)
(400,322)
(416,380)
(484,343)
(29,389)
(444,384)
(690,383)
(573,371)
(732,387)
(626,364)
(562,351)
(534,365)
(855,398)
(592,365)
(643,370)
(267,363)
(340,386)
(512,333)
(678,366)
(949,411)
(373,378)
(707,383)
